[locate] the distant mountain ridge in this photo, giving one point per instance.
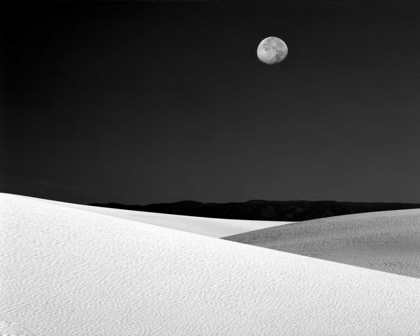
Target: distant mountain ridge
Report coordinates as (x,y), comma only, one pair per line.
(264,210)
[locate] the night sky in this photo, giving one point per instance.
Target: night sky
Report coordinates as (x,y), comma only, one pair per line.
(149,102)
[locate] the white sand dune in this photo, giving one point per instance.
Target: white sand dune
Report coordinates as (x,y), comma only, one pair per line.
(211,227)
(70,272)
(387,241)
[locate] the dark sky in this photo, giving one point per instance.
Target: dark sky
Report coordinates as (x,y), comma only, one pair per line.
(148,102)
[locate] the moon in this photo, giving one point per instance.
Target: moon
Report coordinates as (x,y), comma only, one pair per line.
(272,50)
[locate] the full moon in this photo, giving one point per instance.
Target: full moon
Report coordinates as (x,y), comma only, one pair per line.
(272,50)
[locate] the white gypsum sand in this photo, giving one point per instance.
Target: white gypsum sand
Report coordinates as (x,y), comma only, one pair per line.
(387,241)
(212,227)
(70,272)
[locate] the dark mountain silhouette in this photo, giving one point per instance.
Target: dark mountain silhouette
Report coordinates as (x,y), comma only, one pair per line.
(264,210)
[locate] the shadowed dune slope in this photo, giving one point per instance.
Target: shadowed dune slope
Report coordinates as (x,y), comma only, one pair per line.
(212,227)
(70,272)
(386,241)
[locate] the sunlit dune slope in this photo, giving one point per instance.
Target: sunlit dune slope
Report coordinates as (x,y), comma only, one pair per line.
(211,227)
(70,272)
(387,241)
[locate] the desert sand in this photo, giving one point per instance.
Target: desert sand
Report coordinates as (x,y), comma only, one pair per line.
(67,272)
(211,227)
(387,241)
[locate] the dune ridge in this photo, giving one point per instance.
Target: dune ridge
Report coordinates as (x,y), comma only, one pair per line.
(70,272)
(211,227)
